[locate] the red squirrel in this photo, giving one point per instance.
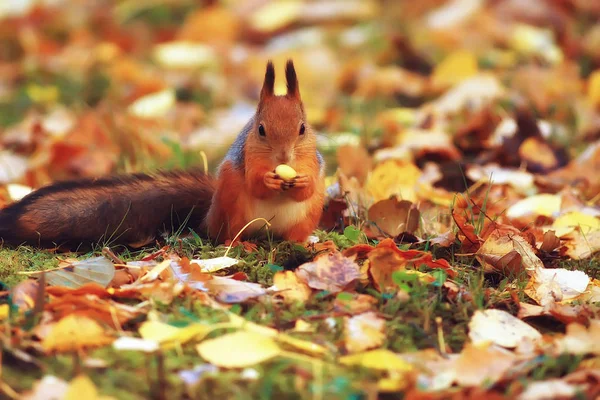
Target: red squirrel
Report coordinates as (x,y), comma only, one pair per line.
(135,209)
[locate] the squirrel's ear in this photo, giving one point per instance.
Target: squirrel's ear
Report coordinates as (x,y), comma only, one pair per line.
(293,89)
(269,84)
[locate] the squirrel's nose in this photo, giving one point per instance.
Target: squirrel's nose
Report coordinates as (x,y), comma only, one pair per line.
(283,158)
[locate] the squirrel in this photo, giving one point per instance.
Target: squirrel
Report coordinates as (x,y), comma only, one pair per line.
(135,209)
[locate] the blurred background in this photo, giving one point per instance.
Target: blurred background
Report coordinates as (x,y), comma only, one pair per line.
(92,87)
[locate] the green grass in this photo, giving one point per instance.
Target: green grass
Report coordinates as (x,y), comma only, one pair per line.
(411,325)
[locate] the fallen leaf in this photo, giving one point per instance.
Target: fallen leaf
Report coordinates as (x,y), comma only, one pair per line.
(542,204)
(49,387)
(98,270)
(579,246)
(568,222)
(168,336)
(500,328)
(393,178)
(238,350)
(289,287)
(549,389)
(548,286)
(508,253)
(73,333)
(135,344)
(473,366)
(455,68)
(354,303)
(154,105)
(215,264)
(179,55)
(333,272)
(82,387)
(363,332)
(24,294)
(394,216)
(580,340)
(380,359)
(228,290)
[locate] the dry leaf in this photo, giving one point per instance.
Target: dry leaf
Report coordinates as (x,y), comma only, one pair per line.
(98,270)
(238,350)
(354,303)
(548,286)
(579,246)
(455,68)
(508,253)
(333,272)
(580,340)
(228,290)
(479,364)
(82,387)
(289,287)
(363,332)
(168,335)
(393,178)
(73,333)
(394,216)
(500,328)
(380,359)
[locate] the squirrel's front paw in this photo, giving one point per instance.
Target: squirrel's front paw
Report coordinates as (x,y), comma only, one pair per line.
(274,182)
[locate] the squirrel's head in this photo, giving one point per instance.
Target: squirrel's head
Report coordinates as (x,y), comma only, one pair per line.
(280,126)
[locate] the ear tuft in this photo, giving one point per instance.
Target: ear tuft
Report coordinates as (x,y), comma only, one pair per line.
(292,80)
(269,83)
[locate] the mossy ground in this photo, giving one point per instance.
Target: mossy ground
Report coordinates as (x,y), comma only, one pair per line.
(411,325)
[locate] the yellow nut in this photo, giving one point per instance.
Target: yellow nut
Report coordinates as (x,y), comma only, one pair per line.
(285,172)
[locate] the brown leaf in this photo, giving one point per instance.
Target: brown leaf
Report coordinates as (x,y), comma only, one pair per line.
(354,161)
(394,216)
(550,242)
(356,303)
(24,294)
(333,272)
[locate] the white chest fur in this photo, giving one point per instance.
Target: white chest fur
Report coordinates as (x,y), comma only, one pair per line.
(282,213)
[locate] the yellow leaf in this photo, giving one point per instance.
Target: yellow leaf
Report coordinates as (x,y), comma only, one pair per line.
(4,311)
(81,387)
(275,15)
(43,94)
(240,322)
(455,68)
(568,222)
(530,40)
(363,332)
(393,178)
(74,332)
(381,359)
(238,350)
(290,288)
(303,345)
(153,105)
(184,54)
(168,335)
(541,204)
(593,93)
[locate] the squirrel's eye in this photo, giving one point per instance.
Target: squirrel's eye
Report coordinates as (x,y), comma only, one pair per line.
(261,130)
(302,129)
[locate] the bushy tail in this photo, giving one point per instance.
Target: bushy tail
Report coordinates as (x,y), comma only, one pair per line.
(129,209)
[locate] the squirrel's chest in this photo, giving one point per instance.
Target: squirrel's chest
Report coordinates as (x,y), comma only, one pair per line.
(281,213)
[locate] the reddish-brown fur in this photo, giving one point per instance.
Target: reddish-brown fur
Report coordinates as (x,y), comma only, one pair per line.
(253,180)
(134,209)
